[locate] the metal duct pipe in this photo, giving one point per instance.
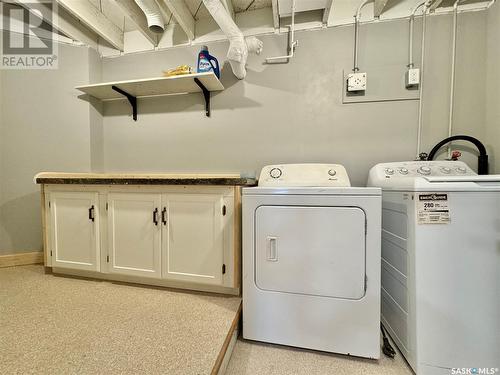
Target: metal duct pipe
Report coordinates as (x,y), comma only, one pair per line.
(238,45)
(153,15)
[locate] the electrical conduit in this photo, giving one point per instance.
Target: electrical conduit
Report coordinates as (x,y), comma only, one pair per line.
(410,44)
(421,88)
(357,16)
(452,79)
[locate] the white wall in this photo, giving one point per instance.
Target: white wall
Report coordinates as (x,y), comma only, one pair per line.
(493,86)
(44,127)
(294,112)
(281,113)
(3,234)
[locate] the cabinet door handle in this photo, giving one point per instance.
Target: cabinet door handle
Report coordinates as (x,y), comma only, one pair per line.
(155,216)
(91,213)
(164,216)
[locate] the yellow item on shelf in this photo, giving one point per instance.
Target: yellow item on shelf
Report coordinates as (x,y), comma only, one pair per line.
(180,70)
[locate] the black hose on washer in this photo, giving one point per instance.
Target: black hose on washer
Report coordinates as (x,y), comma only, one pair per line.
(482,159)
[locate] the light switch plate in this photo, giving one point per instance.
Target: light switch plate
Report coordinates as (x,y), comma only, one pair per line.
(412,78)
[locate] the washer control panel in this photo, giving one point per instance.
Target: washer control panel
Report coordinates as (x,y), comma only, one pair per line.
(306,175)
(424,168)
(413,169)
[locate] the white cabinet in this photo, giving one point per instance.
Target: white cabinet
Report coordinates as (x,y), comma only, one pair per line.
(134,245)
(193,237)
(74,230)
(179,236)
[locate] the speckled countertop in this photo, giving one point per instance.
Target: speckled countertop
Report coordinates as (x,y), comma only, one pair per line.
(143,179)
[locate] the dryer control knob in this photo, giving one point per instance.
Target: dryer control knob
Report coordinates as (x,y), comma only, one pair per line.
(424,170)
(461,170)
(332,172)
(403,171)
(389,171)
(446,170)
(275,173)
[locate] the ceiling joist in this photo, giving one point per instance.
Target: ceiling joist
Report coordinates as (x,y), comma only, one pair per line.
(276,14)
(93,18)
(136,15)
(181,13)
(435,4)
(379,7)
(66,24)
(228,4)
(327,12)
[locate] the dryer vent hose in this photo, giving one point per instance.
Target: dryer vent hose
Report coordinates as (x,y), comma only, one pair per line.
(482,159)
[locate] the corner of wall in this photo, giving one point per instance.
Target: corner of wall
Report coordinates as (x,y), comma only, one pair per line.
(95,115)
(493,86)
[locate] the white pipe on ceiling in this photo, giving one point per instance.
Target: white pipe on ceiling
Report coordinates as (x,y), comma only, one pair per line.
(238,45)
(291,40)
(153,15)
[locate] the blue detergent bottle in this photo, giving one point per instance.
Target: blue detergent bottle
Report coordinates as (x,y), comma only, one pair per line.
(207,63)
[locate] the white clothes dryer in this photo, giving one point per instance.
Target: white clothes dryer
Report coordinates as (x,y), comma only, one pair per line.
(311,260)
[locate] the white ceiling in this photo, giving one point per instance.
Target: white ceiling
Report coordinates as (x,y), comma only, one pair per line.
(343,10)
(254,17)
(199,11)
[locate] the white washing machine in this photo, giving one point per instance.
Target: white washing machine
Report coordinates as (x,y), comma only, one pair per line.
(311,260)
(441,265)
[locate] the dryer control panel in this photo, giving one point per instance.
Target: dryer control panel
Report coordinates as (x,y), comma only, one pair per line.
(304,175)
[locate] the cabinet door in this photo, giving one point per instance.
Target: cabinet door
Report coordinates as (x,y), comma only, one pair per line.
(74,220)
(134,234)
(193,244)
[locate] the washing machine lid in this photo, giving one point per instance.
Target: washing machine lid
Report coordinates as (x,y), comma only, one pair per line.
(316,251)
(287,190)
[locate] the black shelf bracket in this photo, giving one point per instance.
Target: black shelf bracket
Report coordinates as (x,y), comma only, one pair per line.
(206,94)
(132,100)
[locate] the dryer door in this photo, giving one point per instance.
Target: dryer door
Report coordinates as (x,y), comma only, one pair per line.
(311,250)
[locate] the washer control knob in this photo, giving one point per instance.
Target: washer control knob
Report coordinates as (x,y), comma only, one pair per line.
(461,170)
(424,170)
(389,171)
(446,170)
(332,172)
(275,173)
(403,171)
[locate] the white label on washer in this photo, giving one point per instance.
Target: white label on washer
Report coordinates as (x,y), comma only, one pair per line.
(432,208)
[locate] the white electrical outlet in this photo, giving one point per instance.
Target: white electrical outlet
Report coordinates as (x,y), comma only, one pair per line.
(412,78)
(356,82)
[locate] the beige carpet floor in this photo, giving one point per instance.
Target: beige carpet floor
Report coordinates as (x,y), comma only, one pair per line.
(59,325)
(252,358)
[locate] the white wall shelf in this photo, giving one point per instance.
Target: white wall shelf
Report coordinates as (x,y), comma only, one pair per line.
(159,86)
